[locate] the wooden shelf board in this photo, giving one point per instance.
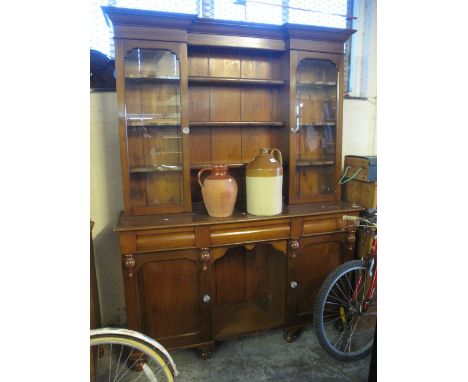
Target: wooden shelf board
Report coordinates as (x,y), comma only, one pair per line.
(315,162)
(139,170)
(151,124)
(234,81)
(152,79)
(319,123)
(235,319)
(316,83)
(230,165)
(237,124)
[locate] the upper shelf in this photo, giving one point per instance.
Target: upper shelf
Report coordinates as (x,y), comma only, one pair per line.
(234,81)
(315,84)
(151,79)
(237,124)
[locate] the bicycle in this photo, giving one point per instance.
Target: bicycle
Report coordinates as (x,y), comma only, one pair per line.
(122,355)
(345,311)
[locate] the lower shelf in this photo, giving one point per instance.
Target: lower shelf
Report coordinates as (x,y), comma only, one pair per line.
(235,319)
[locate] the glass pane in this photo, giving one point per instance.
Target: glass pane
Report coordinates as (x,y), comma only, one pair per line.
(152,84)
(316,100)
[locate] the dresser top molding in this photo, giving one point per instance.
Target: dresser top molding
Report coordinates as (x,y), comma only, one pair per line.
(131,223)
(196,25)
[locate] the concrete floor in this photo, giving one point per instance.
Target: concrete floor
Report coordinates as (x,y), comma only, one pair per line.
(267,357)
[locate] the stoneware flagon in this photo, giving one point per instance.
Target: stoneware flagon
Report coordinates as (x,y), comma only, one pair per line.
(219,191)
(264,180)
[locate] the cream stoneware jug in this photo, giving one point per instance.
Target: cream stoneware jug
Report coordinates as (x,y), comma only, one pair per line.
(219,191)
(264,180)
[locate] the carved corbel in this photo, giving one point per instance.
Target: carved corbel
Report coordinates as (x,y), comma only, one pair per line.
(351,238)
(129,263)
(293,248)
(205,258)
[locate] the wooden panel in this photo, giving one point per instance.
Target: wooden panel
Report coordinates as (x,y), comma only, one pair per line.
(254,138)
(256,273)
(226,145)
(200,145)
(225,103)
(162,145)
(199,103)
(164,189)
(138,190)
(232,320)
(161,241)
(224,63)
(170,311)
(315,180)
(235,41)
(317,46)
(361,193)
(257,65)
(258,104)
(259,233)
(323,225)
(229,277)
(136,157)
(150,33)
(314,264)
(198,61)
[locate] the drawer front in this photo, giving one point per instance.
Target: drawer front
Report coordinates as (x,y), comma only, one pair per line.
(250,234)
(158,241)
(317,226)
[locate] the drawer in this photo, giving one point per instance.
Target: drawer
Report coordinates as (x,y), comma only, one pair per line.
(250,234)
(168,240)
(316,226)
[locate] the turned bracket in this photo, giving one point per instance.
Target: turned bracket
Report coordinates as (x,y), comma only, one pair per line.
(205,258)
(294,246)
(351,238)
(129,263)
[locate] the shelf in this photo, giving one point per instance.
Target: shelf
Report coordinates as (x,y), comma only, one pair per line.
(160,168)
(231,320)
(234,81)
(315,163)
(237,124)
(319,123)
(152,80)
(230,165)
(315,83)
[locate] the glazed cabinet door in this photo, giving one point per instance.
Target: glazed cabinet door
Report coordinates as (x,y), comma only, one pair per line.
(152,89)
(315,154)
(165,297)
(310,261)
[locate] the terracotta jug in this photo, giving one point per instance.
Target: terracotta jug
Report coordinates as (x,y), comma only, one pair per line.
(219,191)
(264,180)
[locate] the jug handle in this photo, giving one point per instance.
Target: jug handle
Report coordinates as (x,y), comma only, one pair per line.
(280,157)
(199,175)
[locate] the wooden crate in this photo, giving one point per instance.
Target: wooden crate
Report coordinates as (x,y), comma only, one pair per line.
(362,193)
(365,167)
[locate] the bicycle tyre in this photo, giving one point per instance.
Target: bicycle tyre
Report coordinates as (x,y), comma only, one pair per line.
(157,366)
(333,315)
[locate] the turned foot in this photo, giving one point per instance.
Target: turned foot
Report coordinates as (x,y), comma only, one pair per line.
(205,352)
(289,336)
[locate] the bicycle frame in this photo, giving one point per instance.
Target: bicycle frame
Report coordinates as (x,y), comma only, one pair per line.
(370,292)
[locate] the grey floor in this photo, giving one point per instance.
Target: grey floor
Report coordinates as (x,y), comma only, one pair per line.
(267,357)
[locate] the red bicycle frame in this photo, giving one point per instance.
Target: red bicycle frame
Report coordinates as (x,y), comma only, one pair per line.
(373,265)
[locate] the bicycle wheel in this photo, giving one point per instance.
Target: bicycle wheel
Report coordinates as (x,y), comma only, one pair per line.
(122,355)
(343,327)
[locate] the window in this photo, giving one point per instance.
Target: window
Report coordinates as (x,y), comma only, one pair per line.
(331,13)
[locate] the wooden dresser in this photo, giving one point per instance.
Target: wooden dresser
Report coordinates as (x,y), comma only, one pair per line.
(196,92)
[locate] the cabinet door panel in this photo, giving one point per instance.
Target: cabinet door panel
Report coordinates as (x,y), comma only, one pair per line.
(170,298)
(316,262)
